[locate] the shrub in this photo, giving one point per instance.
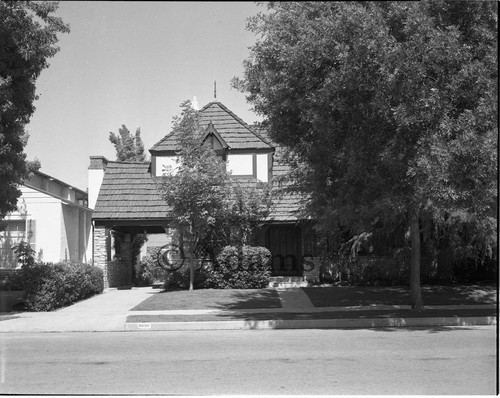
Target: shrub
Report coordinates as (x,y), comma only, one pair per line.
(150,272)
(179,279)
(25,254)
(11,280)
(244,267)
(365,271)
(51,286)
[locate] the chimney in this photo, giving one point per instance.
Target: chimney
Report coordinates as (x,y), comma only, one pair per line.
(96,174)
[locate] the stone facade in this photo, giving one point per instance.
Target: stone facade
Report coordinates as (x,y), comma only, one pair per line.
(116,265)
(311,268)
(100,251)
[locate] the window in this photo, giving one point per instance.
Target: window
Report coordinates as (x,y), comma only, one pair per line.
(165,161)
(14,233)
(240,165)
(251,165)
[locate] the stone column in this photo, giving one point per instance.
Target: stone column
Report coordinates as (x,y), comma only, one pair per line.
(100,251)
(126,277)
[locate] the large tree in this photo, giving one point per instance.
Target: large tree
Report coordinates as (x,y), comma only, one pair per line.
(128,147)
(28,38)
(388,108)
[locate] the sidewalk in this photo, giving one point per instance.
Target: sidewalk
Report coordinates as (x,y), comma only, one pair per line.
(116,310)
(106,312)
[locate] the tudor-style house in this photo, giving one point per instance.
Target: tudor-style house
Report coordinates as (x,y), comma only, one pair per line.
(126,200)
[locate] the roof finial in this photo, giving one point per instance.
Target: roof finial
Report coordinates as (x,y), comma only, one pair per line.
(215,89)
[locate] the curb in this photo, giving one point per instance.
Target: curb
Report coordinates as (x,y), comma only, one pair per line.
(365,323)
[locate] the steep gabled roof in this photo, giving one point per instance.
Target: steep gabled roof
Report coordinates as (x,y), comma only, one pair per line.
(234,131)
(128,191)
(211,130)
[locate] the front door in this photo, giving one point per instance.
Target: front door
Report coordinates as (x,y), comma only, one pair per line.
(284,243)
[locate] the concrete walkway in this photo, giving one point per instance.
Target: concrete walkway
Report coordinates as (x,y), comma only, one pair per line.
(294,298)
(105,312)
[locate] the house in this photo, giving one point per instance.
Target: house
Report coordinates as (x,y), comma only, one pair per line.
(53,217)
(126,201)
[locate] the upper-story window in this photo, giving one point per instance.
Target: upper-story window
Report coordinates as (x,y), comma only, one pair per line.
(239,164)
(249,165)
(161,162)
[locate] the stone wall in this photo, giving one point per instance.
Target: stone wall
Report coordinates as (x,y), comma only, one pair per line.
(116,267)
(100,251)
(311,268)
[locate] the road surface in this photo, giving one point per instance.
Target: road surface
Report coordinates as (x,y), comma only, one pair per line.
(395,361)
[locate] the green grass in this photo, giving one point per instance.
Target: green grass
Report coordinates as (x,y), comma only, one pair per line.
(432,295)
(235,299)
(203,299)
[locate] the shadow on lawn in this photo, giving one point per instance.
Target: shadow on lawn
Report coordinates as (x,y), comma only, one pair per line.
(365,296)
(251,299)
(432,295)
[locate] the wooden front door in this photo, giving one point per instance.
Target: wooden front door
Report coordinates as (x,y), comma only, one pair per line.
(285,246)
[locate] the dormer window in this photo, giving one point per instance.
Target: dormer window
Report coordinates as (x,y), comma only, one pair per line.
(246,152)
(253,165)
(161,162)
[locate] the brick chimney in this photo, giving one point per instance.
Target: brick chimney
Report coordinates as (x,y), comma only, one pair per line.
(96,174)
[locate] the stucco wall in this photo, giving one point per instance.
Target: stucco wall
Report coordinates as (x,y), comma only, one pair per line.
(59,231)
(46,211)
(70,234)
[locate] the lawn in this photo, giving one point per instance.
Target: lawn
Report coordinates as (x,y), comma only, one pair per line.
(337,296)
(432,295)
(204,299)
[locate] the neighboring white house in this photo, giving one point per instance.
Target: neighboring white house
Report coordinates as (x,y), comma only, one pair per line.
(53,217)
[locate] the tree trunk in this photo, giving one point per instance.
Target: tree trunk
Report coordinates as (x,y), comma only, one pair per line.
(188,247)
(191,272)
(417,303)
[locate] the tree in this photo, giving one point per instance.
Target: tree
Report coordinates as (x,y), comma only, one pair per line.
(197,190)
(388,109)
(129,148)
(208,209)
(28,37)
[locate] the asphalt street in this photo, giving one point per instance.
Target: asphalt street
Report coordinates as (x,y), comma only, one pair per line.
(379,361)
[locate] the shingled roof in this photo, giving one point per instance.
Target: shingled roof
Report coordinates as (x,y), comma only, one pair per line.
(235,132)
(286,206)
(128,192)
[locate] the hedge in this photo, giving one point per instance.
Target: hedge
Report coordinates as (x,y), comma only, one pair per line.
(51,286)
(245,267)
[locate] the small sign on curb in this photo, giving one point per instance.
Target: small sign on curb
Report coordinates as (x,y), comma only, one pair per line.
(143,326)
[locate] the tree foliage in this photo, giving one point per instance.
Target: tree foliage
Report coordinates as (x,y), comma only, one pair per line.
(208,209)
(28,37)
(389,109)
(129,148)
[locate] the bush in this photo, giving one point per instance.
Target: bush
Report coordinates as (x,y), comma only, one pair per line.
(365,271)
(11,280)
(150,272)
(51,286)
(244,267)
(180,279)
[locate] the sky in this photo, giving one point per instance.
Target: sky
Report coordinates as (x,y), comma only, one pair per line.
(133,63)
